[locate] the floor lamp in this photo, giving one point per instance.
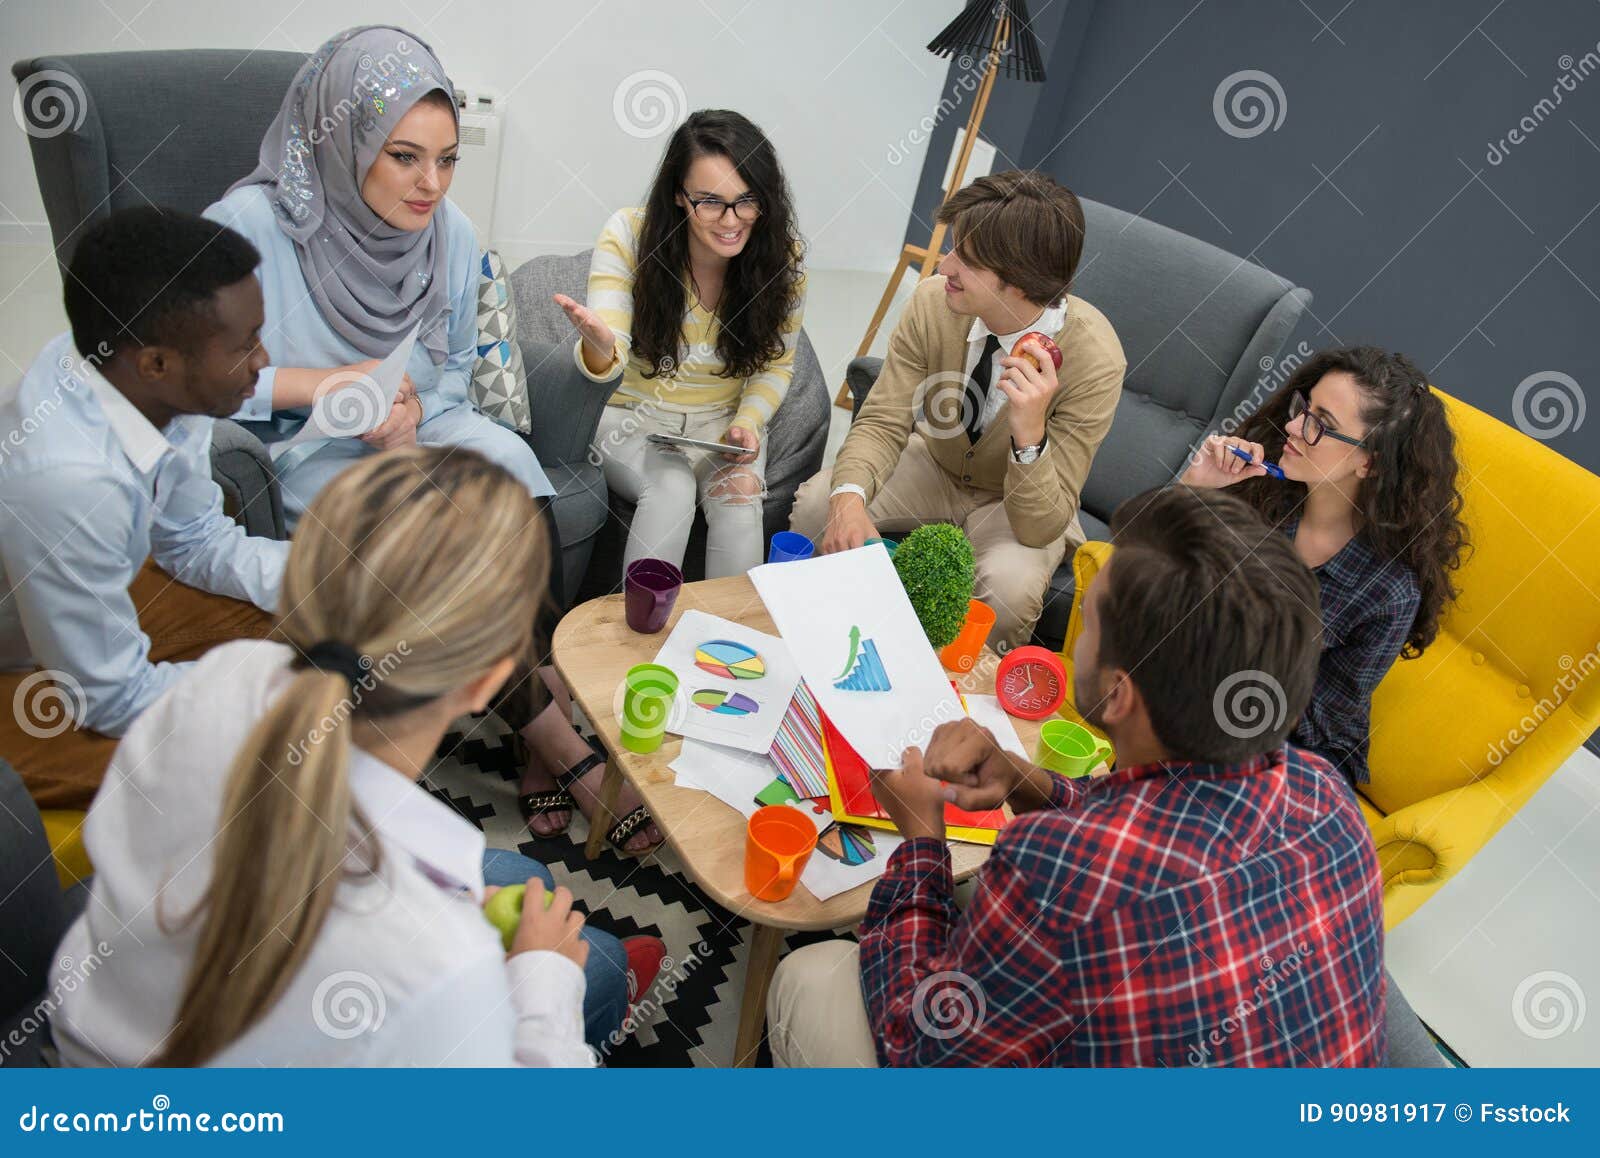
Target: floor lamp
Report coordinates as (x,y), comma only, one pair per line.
(999,31)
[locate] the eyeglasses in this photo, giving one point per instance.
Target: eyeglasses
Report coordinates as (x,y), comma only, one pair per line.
(711,209)
(1313,430)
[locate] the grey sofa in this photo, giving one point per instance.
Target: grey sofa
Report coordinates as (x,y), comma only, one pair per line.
(568,405)
(1200,328)
(143,139)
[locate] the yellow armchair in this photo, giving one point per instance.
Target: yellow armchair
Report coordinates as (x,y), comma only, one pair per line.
(1464,734)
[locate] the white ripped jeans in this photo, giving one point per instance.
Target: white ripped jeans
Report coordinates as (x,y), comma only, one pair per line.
(667,484)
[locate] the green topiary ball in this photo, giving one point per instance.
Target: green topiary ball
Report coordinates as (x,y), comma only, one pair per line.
(936,566)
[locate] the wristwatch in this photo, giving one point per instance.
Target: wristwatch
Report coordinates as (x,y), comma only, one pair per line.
(1023,455)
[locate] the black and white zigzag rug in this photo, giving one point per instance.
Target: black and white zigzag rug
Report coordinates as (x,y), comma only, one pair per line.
(692,1014)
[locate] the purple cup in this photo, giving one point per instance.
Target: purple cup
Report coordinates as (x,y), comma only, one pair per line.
(650,588)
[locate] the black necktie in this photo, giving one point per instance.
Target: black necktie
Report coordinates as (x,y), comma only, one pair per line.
(978,388)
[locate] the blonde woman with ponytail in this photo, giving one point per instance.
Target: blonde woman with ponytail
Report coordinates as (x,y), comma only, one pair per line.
(273,887)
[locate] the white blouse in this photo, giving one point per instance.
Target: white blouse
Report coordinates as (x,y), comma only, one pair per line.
(405,971)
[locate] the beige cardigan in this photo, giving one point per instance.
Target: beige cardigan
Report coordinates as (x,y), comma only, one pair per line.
(930,342)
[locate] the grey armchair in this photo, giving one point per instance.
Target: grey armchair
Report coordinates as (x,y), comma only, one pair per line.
(569,407)
(145,138)
(1197,325)
(34,914)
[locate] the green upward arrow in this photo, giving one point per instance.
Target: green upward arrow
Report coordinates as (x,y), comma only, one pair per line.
(855,646)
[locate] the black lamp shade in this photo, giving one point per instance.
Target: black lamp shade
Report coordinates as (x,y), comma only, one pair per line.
(972,34)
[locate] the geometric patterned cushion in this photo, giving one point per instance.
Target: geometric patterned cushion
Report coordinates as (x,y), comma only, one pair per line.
(499,386)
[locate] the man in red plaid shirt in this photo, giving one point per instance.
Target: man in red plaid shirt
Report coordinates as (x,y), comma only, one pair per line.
(1215,900)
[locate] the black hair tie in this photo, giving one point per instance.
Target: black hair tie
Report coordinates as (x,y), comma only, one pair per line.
(333,656)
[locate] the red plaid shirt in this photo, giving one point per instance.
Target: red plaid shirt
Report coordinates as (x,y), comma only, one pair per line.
(1170,914)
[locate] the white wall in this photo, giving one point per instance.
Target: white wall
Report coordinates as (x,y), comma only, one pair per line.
(834,83)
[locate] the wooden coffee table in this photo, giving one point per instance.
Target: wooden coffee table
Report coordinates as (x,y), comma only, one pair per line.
(593,648)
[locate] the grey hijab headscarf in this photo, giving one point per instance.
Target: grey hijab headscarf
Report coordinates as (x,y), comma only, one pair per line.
(371,281)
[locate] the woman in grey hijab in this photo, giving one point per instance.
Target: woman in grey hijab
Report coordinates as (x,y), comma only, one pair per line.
(360,245)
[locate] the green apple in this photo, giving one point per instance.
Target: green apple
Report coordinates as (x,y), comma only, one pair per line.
(504,911)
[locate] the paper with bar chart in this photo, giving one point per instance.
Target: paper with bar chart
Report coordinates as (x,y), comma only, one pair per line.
(858,645)
(735,683)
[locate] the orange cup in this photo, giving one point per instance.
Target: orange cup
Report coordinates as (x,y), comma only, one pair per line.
(778,842)
(961,653)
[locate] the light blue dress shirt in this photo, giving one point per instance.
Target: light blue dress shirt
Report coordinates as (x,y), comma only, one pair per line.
(88,490)
(295,334)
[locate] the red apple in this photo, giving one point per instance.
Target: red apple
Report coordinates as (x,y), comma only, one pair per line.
(1044,342)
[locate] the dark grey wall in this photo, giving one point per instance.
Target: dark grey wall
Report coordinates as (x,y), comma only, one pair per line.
(1376,190)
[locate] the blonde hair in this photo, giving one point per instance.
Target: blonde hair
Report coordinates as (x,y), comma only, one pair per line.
(428,563)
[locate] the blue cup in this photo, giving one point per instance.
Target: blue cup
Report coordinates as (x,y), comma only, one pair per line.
(787,546)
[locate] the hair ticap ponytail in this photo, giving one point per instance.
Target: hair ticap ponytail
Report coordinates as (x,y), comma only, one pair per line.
(463,539)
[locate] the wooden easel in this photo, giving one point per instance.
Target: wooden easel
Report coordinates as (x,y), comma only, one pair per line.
(927,256)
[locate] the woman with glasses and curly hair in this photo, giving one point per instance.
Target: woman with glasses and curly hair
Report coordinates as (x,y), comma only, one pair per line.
(695,304)
(1354,459)
(694,309)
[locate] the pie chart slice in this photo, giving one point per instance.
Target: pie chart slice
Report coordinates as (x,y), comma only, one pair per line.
(730,660)
(725,703)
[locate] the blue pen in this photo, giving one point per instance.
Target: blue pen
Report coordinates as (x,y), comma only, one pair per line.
(1273,468)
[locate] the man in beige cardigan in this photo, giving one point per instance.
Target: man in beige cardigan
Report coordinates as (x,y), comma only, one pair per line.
(958,430)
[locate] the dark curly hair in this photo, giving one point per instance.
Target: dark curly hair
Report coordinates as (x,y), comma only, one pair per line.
(762,285)
(1409,506)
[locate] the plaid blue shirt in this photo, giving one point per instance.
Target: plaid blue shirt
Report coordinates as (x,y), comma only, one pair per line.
(1369,604)
(1168,914)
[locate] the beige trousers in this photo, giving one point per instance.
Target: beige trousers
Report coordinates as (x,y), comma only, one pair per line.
(1012,578)
(816,1016)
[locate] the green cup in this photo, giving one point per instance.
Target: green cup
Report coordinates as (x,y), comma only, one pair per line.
(648,691)
(1070,749)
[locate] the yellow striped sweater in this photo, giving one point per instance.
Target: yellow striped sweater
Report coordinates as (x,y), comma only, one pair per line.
(693,383)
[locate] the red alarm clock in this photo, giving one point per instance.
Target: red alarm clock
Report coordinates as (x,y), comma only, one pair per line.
(1031,682)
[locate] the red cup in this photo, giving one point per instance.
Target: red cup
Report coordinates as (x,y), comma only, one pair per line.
(650,588)
(778,842)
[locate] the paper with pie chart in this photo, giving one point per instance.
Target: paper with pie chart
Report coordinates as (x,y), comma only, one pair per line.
(734,683)
(860,649)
